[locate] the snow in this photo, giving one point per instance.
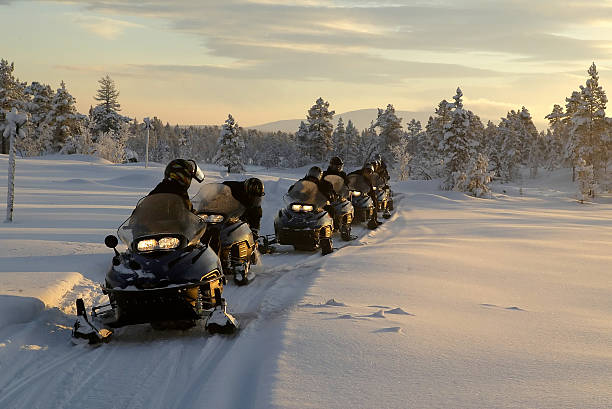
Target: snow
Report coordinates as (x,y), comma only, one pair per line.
(455,302)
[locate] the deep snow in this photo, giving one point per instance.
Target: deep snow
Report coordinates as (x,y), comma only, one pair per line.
(454,302)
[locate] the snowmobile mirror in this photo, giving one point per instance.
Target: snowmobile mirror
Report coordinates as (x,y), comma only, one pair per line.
(111,241)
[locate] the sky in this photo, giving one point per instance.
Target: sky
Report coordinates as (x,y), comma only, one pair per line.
(194,61)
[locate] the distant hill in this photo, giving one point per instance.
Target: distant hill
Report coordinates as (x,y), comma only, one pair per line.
(361,119)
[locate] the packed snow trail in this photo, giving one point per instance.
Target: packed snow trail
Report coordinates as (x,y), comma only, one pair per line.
(140,367)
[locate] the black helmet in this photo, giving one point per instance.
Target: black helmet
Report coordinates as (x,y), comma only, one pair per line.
(315,172)
(336,164)
(182,171)
(254,187)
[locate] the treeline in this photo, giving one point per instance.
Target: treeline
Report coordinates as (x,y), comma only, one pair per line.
(454,145)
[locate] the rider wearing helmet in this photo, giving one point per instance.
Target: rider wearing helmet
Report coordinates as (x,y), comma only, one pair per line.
(335,168)
(381,168)
(249,193)
(367,171)
(177,179)
(315,175)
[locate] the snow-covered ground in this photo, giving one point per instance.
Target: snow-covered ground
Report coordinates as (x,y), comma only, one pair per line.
(454,302)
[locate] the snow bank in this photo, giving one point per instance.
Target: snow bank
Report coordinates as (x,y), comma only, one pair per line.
(23,295)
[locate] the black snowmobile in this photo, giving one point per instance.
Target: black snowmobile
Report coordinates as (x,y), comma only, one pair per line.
(215,204)
(166,277)
(343,211)
(362,202)
(303,223)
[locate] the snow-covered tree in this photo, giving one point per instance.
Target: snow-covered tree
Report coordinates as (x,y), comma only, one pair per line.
(105,116)
(557,137)
(402,157)
(317,145)
(390,130)
(478,176)
(589,123)
(64,118)
(585,180)
(352,143)
(460,140)
(230,146)
(12,95)
(339,138)
(112,146)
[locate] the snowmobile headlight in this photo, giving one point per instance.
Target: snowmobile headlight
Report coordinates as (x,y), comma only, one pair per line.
(147,245)
(212,218)
(356,193)
(307,208)
(374,188)
(167,243)
(296,207)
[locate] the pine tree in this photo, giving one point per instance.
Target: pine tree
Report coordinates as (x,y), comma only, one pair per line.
(353,141)
(402,157)
(585,180)
(508,142)
(559,135)
(460,141)
(390,130)
(105,115)
(589,123)
(339,138)
(12,95)
(320,130)
(230,146)
(478,176)
(64,118)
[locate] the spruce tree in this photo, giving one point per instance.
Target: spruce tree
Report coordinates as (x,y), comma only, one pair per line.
(230,146)
(12,95)
(105,115)
(320,130)
(66,122)
(390,131)
(339,138)
(589,123)
(460,141)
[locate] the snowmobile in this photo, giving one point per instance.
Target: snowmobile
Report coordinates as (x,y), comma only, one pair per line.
(231,236)
(384,196)
(362,202)
(166,277)
(303,223)
(343,211)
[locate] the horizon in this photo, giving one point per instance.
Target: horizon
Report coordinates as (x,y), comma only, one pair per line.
(265,60)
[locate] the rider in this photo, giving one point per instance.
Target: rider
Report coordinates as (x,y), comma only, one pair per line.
(249,193)
(367,172)
(335,168)
(177,178)
(381,168)
(315,175)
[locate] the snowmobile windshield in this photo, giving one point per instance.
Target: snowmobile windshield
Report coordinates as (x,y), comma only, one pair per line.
(358,182)
(306,192)
(217,198)
(340,187)
(377,180)
(162,214)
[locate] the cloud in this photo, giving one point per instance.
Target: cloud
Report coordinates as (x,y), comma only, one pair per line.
(331,38)
(104,27)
